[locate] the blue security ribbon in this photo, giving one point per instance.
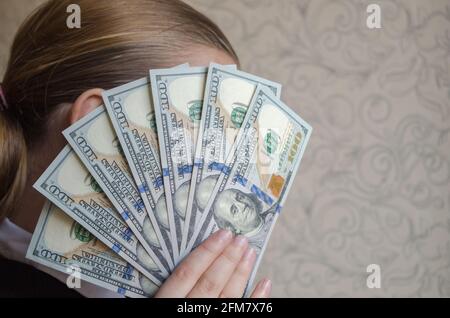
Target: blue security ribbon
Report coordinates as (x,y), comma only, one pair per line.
(158,182)
(278,208)
(165,172)
(241,179)
(185,169)
(125,215)
(216,166)
(127,274)
(198,162)
(116,247)
(260,194)
(226,170)
(139,205)
(127,234)
(143,188)
(129,269)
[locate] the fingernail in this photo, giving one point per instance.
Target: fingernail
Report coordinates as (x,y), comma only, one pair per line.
(249,255)
(240,240)
(266,287)
(224,235)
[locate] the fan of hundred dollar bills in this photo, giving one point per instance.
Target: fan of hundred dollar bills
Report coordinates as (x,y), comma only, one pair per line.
(165,162)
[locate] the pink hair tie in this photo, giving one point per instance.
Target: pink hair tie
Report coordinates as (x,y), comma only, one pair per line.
(3,103)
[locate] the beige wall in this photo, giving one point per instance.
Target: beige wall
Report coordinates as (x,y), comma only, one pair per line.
(374,183)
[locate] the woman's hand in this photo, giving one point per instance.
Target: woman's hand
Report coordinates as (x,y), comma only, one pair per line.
(219,267)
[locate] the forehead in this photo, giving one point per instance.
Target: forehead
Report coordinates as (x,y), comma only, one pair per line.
(229,194)
(203,55)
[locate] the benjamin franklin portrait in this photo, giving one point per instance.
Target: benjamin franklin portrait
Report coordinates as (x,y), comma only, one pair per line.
(143,258)
(148,287)
(203,193)
(180,201)
(240,212)
(149,234)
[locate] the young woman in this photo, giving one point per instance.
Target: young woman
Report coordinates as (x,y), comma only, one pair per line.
(55,76)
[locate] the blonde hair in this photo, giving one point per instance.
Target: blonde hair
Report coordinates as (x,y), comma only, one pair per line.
(51,64)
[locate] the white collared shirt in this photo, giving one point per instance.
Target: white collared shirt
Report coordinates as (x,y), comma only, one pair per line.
(14,243)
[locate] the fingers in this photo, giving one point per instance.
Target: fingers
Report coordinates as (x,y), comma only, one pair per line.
(212,282)
(186,275)
(220,266)
(238,281)
(263,289)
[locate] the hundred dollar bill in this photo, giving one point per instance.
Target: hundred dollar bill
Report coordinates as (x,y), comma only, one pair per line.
(62,244)
(94,141)
(69,185)
(178,98)
(260,169)
(227,96)
(130,108)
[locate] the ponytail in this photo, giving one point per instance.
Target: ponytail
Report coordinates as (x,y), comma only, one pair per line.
(13,163)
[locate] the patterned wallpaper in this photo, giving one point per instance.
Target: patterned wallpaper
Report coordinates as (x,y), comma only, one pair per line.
(374,185)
